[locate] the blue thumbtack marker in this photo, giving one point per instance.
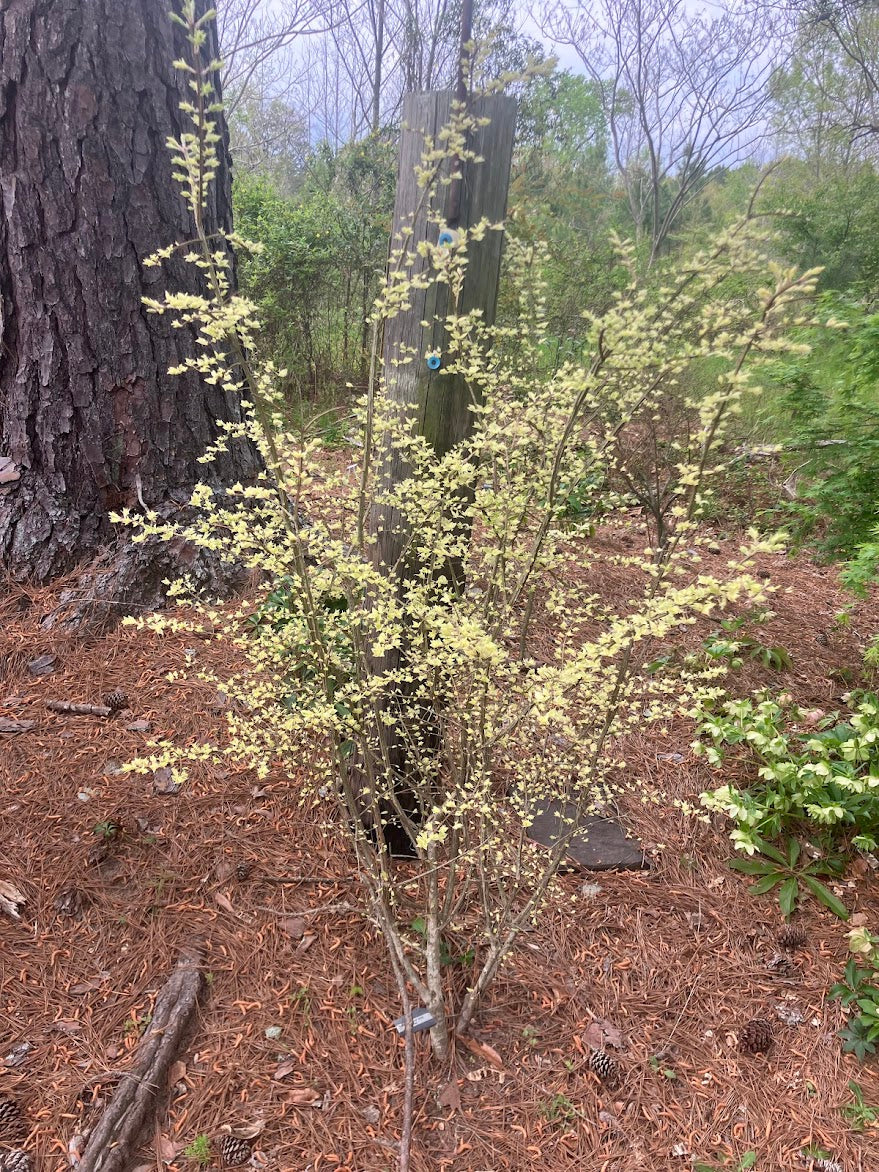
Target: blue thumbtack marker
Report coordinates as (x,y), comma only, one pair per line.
(446,237)
(434,362)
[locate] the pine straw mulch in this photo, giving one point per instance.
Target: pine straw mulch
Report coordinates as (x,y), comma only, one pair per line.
(674,958)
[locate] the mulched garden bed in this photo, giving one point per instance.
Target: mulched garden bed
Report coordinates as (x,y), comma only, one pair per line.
(295,1031)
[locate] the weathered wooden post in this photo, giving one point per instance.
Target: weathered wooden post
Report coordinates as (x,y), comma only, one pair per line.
(439,402)
(434,403)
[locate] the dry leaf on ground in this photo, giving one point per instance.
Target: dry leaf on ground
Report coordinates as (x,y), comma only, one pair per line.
(449,1096)
(11,900)
(603,1033)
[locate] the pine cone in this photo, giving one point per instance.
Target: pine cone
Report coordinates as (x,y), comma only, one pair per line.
(243,871)
(605,1066)
(10,1115)
(756,1036)
(234,1151)
(782,966)
(791,938)
(15,1161)
(116,700)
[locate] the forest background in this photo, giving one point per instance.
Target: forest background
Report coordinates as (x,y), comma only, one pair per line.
(658,127)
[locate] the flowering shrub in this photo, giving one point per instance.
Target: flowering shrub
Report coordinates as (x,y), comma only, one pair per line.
(825,776)
(407,687)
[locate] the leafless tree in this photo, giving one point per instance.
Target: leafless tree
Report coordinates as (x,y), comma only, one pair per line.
(364,40)
(270,138)
(391,47)
(255,38)
(827,97)
(430,42)
(343,65)
(353,78)
(819,100)
(683,93)
(321,91)
(853,25)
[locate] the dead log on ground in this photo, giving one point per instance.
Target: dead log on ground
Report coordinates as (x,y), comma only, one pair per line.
(67,708)
(111,1144)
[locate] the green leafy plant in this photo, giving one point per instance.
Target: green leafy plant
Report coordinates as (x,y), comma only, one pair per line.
(858,1114)
(447,957)
(332,431)
(316,266)
(199,1150)
(584,498)
(661,664)
(720,645)
(821,776)
(777,870)
(871,655)
(530,1036)
(828,421)
(657,1066)
(859,990)
(862,571)
(136,1025)
(301,1000)
(108,829)
(559,1109)
(820,1159)
(748,1160)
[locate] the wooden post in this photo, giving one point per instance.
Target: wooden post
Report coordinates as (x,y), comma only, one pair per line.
(439,401)
(436,404)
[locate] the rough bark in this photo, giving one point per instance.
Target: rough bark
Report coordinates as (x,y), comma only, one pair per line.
(89,417)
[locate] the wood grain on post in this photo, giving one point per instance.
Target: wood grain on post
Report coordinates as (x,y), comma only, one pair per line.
(440,402)
(433,403)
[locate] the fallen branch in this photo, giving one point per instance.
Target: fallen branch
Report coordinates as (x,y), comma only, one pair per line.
(66,708)
(11,900)
(312,911)
(769,451)
(110,1146)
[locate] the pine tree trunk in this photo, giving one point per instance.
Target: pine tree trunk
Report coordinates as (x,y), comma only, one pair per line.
(90,420)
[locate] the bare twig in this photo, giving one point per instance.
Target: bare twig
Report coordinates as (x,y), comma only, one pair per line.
(326,909)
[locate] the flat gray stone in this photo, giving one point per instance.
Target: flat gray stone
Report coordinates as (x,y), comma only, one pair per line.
(600,844)
(16,726)
(43,665)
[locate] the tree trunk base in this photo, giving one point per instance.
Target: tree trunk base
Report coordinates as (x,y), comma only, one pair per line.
(132,579)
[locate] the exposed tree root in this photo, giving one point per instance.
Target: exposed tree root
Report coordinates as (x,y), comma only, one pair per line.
(110,1146)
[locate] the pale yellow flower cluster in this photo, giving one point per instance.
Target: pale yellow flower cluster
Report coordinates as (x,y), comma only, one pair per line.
(410,695)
